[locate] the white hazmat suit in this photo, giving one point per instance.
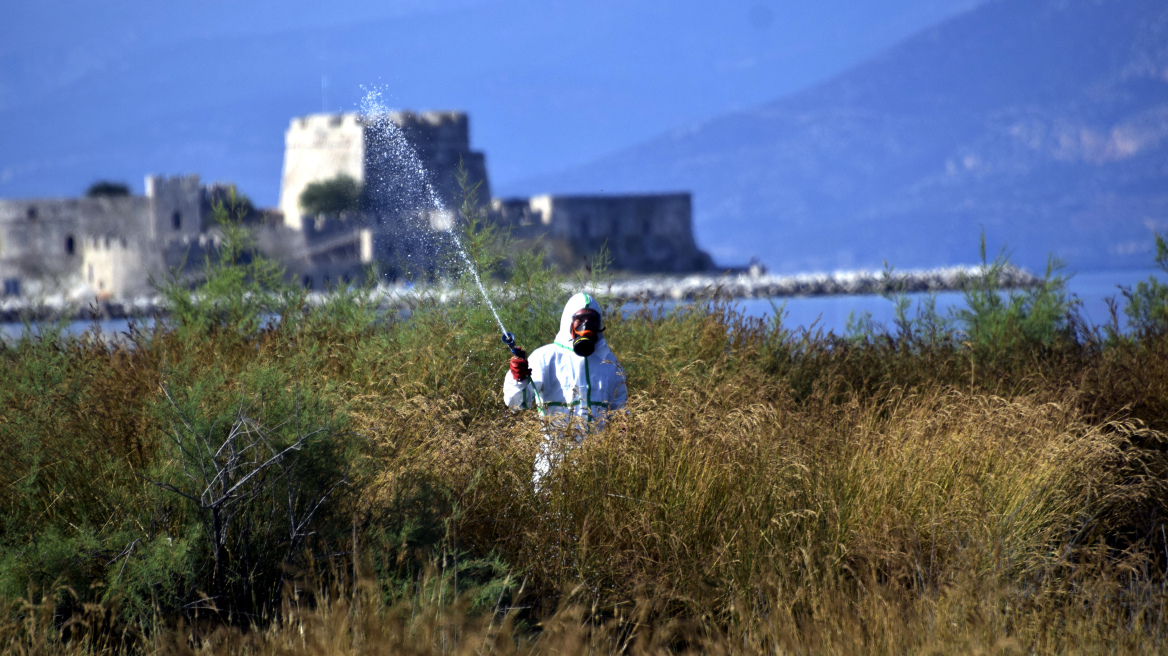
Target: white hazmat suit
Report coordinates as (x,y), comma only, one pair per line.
(573,392)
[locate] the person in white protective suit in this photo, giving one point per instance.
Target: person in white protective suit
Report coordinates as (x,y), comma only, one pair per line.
(573,382)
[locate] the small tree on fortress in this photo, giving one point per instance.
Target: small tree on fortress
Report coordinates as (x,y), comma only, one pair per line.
(340,194)
(107,189)
(236,202)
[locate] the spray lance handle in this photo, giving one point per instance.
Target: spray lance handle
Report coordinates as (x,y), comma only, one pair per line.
(519,369)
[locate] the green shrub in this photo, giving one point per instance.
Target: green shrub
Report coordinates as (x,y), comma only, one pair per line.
(240,289)
(1147,305)
(1004,329)
(998,325)
(228,195)
(334,196)
(107,189)
(260,463)
(924,328)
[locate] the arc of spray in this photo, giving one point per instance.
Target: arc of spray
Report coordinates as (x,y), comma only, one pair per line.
(375,110)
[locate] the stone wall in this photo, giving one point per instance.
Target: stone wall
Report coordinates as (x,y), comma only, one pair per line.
(332,251)
(118,266)
(47,245)
(41,239)
(642,233)
(324,253)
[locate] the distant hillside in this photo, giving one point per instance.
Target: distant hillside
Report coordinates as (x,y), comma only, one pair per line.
(1045,121)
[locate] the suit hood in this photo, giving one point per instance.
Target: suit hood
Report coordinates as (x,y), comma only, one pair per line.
(575,304)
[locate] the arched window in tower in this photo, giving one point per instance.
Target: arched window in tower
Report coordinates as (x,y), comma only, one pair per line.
(70,245)
(32,213)
(177,220)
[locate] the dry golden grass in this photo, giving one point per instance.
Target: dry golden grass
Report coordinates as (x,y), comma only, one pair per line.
(931,518)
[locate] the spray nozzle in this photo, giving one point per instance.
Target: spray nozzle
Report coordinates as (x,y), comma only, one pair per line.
(509,340)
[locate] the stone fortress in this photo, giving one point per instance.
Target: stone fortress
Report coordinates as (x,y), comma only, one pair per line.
(115,246)
(642,233)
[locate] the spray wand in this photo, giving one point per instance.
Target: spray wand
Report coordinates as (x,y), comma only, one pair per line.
(509,340)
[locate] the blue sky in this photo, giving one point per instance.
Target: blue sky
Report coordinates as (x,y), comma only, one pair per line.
(120,88)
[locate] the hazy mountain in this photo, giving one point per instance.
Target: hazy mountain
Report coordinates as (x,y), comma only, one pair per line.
(1045,121)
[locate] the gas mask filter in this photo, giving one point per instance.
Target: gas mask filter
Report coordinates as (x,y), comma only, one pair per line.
(585,332)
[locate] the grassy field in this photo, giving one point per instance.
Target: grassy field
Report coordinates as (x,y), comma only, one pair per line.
(342,481)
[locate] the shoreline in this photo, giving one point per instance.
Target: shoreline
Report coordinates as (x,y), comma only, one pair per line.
(645,288)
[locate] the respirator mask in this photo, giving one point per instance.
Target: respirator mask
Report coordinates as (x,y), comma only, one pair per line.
(585,332)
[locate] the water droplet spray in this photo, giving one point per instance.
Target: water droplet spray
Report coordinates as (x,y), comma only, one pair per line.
(412,186)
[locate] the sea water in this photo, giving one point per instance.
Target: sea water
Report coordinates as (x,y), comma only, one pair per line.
(1091,289)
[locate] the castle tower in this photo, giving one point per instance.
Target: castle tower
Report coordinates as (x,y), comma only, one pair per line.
(176,207)
(320,147)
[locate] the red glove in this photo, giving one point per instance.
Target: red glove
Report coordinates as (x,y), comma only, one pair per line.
(519,368)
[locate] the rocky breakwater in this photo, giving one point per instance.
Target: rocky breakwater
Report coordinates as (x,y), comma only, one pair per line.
(808,284)
(55,307)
